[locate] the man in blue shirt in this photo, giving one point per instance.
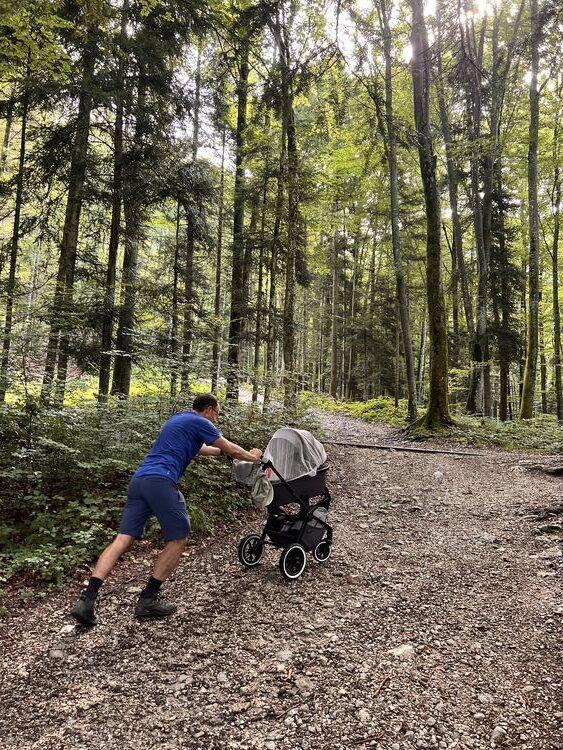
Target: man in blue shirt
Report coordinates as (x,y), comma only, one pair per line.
(153,490)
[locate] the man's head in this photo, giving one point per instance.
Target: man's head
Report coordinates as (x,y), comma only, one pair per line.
(207,406)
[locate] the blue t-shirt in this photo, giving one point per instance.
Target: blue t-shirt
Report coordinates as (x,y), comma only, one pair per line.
(178,442)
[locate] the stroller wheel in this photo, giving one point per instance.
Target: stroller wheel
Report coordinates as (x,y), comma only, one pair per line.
(250,550)
(292,562)
(322,551)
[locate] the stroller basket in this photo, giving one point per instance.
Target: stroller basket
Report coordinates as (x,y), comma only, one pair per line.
(282,531)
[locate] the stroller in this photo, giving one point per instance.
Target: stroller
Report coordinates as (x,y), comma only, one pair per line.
(294,462)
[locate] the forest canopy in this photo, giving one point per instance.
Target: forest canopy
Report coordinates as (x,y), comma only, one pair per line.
(353,198)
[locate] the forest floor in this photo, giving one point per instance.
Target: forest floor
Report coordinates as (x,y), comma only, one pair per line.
(437,623)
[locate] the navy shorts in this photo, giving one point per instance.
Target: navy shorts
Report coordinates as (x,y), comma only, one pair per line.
(154,495)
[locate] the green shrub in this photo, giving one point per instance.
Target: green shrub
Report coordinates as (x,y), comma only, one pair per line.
(64,474)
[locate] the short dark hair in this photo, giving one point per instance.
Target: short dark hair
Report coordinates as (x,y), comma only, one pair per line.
(204,400)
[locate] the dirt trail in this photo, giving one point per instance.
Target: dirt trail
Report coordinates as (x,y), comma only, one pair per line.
(436,624)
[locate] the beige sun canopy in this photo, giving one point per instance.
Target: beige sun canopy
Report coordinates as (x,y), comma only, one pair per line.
(294,453)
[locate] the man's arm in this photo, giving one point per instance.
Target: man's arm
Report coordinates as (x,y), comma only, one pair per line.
(209,450)
(235,451)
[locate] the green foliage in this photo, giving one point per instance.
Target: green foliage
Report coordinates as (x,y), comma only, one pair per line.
(63,478)
(539,435)
(379,409)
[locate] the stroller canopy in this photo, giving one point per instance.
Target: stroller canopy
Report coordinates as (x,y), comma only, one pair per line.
(294,453)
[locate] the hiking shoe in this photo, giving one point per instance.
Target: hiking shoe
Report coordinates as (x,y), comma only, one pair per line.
(153,607)
(83,611)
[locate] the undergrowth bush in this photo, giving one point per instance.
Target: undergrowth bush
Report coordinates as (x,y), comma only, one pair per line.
(64,473)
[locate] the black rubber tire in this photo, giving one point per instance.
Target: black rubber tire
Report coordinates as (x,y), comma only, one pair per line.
(323,551)
(250,550)
(292,562)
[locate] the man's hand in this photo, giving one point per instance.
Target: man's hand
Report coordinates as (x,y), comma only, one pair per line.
(236,451)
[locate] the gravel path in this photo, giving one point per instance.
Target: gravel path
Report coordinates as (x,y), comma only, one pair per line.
(436,624)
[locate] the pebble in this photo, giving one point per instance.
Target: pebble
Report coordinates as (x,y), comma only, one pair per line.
(551,554)
(406,651)
(304,683)
(363,715)
(498,735)
(485,698)
(283,655)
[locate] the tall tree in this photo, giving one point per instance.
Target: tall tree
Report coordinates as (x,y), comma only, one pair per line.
(11,284)
(556,199)
(61,315)
(529,384)
(237,286)
(116,204)
(390,140)
(438,409)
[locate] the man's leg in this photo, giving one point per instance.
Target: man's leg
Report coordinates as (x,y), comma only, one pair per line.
(83,610)
(169,506)
(111,554)
(168,559)
(166,563)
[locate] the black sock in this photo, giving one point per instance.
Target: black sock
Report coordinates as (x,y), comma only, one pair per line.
(151,589)
(91,590)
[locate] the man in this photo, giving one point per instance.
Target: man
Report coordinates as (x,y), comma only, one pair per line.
(153,489)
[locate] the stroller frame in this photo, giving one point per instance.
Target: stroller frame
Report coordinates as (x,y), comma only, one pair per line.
(305,511)
(313,534)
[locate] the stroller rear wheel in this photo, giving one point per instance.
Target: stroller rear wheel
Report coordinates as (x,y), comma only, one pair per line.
(322,551)
(292,562)
(250,550)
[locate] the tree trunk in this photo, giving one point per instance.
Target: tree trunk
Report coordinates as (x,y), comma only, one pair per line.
(11,284)
(479,396)
(421,360)
(7,135)
(543,374)
(237,288)
(334,316)
(288,116)
(529,385)
(274,255)
(187,334)
(133,199)
(438,410)
(391,153)
(62,301)
(175,317)
(260,291)
(117,197)
(453,181)
(556,209)
(218,261)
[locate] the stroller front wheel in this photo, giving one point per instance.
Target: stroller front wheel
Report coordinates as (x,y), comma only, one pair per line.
(322,551)
(250,550)
(292,562)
